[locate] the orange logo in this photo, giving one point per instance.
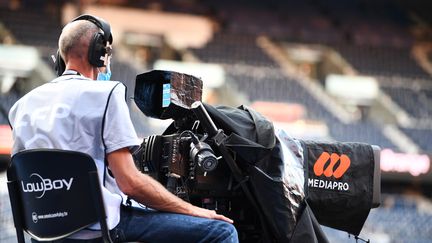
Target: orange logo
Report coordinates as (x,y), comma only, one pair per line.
(330,170)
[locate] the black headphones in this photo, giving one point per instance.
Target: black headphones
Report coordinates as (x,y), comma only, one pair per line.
(98,45)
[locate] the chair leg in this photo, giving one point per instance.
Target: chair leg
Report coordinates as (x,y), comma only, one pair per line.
(16,213)
(20,235)
(94,183)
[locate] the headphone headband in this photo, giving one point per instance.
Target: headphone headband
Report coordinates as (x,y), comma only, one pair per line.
(100,23)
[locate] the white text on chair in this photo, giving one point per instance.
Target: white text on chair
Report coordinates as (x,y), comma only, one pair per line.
(46,185)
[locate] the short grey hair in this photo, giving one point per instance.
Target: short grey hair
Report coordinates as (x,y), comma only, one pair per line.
(75,39)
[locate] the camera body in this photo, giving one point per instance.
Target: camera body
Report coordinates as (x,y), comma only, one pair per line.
(186,158)
(179,155)
(191,171)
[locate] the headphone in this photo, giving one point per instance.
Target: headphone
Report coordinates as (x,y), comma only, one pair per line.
(98,49)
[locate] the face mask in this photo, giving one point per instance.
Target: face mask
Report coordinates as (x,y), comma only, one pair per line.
(102,76)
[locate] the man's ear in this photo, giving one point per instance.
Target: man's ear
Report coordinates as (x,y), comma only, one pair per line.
(59,64)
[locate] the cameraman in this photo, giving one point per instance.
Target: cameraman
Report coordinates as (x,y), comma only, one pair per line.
(74,112)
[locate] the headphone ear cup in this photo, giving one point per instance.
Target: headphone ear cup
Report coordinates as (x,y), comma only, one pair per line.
(97,50)
(59,64)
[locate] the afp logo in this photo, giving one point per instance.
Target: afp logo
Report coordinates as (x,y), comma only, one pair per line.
(41,185)
(332,167)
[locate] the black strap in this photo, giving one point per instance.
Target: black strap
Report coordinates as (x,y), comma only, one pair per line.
(102,133)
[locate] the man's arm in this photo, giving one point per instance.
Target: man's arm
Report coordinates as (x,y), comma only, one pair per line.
(144,189)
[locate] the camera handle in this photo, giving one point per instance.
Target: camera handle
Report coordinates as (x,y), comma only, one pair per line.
(219,138)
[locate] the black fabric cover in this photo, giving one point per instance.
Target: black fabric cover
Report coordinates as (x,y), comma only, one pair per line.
(252,137)
(308,228)
(344,202)
(249,133)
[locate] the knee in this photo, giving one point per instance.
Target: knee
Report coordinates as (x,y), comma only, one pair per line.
(233,233)
(228,232)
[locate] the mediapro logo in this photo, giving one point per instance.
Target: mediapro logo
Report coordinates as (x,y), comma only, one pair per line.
(330,170)
(41,185)
(327,165)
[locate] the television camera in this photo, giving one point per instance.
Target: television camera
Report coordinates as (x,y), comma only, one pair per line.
(232,160)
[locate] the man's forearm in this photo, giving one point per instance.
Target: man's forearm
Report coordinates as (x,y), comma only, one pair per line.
(151,193)
(143,188)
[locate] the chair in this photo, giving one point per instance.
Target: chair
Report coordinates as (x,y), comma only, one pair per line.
(54,193)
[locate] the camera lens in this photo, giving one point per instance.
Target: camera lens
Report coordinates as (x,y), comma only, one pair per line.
(206,160)
(202,154)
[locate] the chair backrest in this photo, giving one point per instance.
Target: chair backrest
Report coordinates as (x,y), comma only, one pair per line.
(54,193)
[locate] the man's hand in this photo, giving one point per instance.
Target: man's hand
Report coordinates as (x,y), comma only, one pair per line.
(211,214)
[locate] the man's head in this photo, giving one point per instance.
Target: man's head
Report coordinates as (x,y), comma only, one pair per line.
(75,40)
(85,43)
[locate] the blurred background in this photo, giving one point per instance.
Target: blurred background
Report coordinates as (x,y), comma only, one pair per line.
(333,70)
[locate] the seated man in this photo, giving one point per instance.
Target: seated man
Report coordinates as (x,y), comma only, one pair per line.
(74,112)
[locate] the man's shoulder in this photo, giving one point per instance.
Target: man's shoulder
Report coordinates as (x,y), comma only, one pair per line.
(77,88)
(86,85)
(101,84)
(106,87)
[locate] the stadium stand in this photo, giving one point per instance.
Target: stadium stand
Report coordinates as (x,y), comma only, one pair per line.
(413,95)
(421,135)
(7,229)
(234,49)
(405,213)
(400,219)
(44,34)
(6,102)
(413,100)
(272,85)
(382,60)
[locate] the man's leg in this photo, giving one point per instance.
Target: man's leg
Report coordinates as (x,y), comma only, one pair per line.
(152,226)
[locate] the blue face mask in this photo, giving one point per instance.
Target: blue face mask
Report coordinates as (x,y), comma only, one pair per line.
(104,76)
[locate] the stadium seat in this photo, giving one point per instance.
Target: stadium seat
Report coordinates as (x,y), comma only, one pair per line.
(54,193)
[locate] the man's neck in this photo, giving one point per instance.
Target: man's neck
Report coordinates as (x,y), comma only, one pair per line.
(85,70)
